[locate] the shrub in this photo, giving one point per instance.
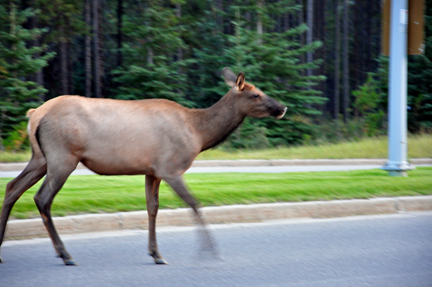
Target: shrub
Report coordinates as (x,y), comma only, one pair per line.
(17,139)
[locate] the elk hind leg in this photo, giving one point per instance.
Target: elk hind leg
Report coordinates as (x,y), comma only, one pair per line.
(152,197)
(33,172)
(54,181)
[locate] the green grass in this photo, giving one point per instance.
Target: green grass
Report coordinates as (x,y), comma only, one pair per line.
(419,146)
(95,194)
(15,156)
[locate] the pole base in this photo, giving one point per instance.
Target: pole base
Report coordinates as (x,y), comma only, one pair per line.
(398,168)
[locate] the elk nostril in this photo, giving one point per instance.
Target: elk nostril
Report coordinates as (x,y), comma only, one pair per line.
(281,113)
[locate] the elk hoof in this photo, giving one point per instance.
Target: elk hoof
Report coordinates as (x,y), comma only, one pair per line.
(160,261)
(157,257)
(70,262)
(1,260)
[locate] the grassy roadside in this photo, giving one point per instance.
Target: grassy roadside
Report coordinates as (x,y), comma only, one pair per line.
(419,146)
(14,156)
(94,194)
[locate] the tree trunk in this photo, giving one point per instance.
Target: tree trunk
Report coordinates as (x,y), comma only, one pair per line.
(237,36)
(337,62)
(259,21)
(309,34)
(70,68)
(119,32)
(345,62)
(39,74)
(88,64)
(319,33)
(179,51)
(40,77)
(149,56)
(219,18)
(301,36)
(101,49)
(63,64)
(32,24)
(12,15)
(97,72)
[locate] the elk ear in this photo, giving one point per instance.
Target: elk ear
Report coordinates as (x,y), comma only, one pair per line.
(240,81)
(229,76)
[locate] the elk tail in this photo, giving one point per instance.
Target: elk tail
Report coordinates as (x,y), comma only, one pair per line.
(30,112)
(33,131)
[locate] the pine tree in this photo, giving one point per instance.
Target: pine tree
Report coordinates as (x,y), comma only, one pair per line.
(150,69)
(271,61)
(205,72)
(65,21)
(419,82)
(17,62)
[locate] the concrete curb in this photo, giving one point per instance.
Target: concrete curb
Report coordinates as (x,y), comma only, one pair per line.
(223,214)
(258,162)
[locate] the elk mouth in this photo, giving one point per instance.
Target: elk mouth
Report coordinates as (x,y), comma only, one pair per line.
(283,111)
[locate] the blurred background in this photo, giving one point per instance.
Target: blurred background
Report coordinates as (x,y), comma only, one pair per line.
(321,58)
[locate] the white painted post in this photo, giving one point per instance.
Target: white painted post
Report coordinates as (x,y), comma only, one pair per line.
(397,164)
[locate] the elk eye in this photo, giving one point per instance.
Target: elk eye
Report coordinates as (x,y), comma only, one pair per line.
(255,96)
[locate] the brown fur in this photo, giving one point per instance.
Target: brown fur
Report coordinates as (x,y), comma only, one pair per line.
(158,138)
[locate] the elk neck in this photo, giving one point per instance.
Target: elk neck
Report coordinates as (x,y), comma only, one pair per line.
(217,122)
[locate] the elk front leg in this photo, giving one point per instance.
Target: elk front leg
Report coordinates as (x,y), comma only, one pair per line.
(152,196)
(179,187)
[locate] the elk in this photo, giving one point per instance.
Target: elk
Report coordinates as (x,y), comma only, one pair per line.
(157,138)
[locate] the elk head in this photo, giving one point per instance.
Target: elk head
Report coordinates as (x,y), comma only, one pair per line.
(250,100)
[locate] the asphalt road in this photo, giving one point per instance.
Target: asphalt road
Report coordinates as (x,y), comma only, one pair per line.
(390,250)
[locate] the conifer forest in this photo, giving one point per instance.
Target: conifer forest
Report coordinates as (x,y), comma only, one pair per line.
(321,58)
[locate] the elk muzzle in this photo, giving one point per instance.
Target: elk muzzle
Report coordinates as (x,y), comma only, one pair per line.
(282,113)
(276,109)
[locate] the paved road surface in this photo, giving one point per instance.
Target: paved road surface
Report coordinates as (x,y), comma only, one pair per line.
(390,250)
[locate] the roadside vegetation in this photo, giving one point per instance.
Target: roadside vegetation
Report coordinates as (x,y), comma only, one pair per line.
(419,146)
(100,194)
(21,156)
(166,49)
